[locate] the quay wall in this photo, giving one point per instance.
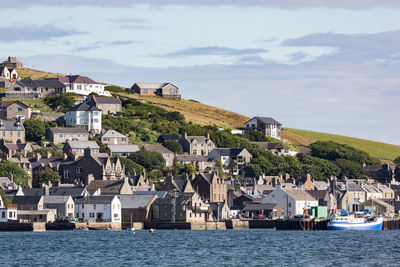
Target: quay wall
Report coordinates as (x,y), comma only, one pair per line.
(17,226)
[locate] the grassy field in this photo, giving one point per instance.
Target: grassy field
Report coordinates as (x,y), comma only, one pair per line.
(195,112)
(37,104)
(36,74)
(375,149)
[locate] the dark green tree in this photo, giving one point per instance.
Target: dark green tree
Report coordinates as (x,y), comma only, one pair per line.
(173,146)
(48,175)
(155,175)
(252,170)
(61,102)
(20,177)
(350,168)
(148,159)
(130,166)
(34,130)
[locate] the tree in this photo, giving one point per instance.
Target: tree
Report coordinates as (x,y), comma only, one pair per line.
(350,169)
(130,166)
(49,176)
(3,197)
(252,170)
(61,102)
(155,175)
(20,177)
(173,146)
(148,159)
(34,130)
(397,160)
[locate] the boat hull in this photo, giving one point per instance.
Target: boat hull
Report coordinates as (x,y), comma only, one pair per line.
(377,225)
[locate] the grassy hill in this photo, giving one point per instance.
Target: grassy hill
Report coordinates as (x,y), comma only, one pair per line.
(203,114)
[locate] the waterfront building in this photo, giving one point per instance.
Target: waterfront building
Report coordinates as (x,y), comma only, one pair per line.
(64,205)
(98,209)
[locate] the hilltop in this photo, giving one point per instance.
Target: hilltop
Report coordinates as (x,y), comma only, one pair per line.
(203,114)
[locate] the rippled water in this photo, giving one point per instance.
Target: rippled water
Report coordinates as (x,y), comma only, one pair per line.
(201,248)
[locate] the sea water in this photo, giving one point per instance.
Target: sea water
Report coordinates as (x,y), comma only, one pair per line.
(201,248)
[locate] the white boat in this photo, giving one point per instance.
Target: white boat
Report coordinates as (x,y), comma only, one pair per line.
(357,221)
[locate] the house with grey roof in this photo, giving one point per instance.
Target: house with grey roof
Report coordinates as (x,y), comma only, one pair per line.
(28,88)
(76,148)
(109,105)
(64,205)
(121,150)
(12,131)
(233,160)
(59,135)
(197,145)
(266,125)
(12,150)
(167,154)
(156,89)
(201,163)
(98,209)
(110,187)
(113,137)
(84,115)
(136,208)
(82,85)
(7,184)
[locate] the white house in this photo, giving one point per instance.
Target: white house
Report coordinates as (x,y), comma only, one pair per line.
(292,200)
(98,209)
(8,212)
(63,204)
(82,85)
(265,125)
(86,116)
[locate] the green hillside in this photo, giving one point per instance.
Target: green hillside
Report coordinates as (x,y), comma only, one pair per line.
(375,149)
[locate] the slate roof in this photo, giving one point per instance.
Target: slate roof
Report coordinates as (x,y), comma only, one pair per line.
(17,147)
(106,186)
(269,145)
(190,158)
(209,177)
(151,85)
(298,194)
(25,200)
(135,201)
(55,199)
(84,107)
(317,194)
(168,137)
(83,144)
(94,200)
(123,148)
(113,133)
(11,126)
(50,83)
(159,194)
(68,130)
(267,120)
(231,152)
(77,79)
(28,83)
(55,191)
(106,100)
(182,199)
(157,148)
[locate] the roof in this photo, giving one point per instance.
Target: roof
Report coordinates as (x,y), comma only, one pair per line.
(94,200)
(17,147)
(106,100)
(83,107)
(190,158)
(298,194)
(157,148)
(231,152)
(106,186)
(209,177)
(151,85)
(4,104)
(159,194)
(25,200)
(269,145)
(11,126)
(68,130)
(182,199)
(385,189)
(77,79)
(318,194)
(267,120)
(123,148)
(66,191)
(321,185)
(82,144)
(28,83)
(113,133)
(50,83)
(199,139)
(55,199)
(135,201)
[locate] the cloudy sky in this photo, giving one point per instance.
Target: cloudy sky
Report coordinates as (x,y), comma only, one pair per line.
(323,65)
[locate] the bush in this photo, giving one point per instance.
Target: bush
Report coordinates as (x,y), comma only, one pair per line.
(173,146)
(155,175)
(61,102)
(131,167)
(148,159)
(49,176)
(34,130)
(20,177)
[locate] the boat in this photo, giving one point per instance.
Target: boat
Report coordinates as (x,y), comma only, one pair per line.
(357,221)
(83,228)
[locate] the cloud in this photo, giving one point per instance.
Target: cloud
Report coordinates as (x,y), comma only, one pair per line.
(215,51)
(101,44)
(34,33)
(347,4)
(132,23)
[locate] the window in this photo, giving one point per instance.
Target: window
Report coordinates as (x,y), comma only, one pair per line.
(78,170)
(61,135)
(79,86)
(95,113)
(290,205)
(123,139)
(66,175)
(3,214)
(94,206)
(106,139)
(96,120)
(20,109)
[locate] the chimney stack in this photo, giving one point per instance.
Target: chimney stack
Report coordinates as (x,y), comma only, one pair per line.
(48,154)
(38,156)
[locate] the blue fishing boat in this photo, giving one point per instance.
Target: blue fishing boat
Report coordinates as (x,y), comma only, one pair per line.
(357,221)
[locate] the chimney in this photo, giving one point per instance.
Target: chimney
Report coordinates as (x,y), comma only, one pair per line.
(48,154)
(87,152)
(208,135)
(65,156)
(38,156)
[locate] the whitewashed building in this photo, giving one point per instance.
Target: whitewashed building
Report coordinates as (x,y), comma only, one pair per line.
(265,125)
(7,213)
(63,204)
(84,115)
(292,200)
(83,85)
(98,209)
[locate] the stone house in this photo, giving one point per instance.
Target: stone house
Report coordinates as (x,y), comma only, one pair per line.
(28,88)
(84,115)
(384,173)
(90,167)
(378,207)
(197,145)
(28,202)
(210,187)
(76,149)
(98,209)
(167,154)
(113,137)
(12,131)
(189,207)
(12,150)
(201,163)
(109,105)
(12,63)
(11,110)
(349,194)
(59,135)
(156,89)
(324,197)
(266,125)
(121,150)
(135,208)
(64,205)
(181,184)
(233,160)
(276,148)
(82,85)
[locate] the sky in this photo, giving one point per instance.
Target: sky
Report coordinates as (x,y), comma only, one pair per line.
(321,65)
